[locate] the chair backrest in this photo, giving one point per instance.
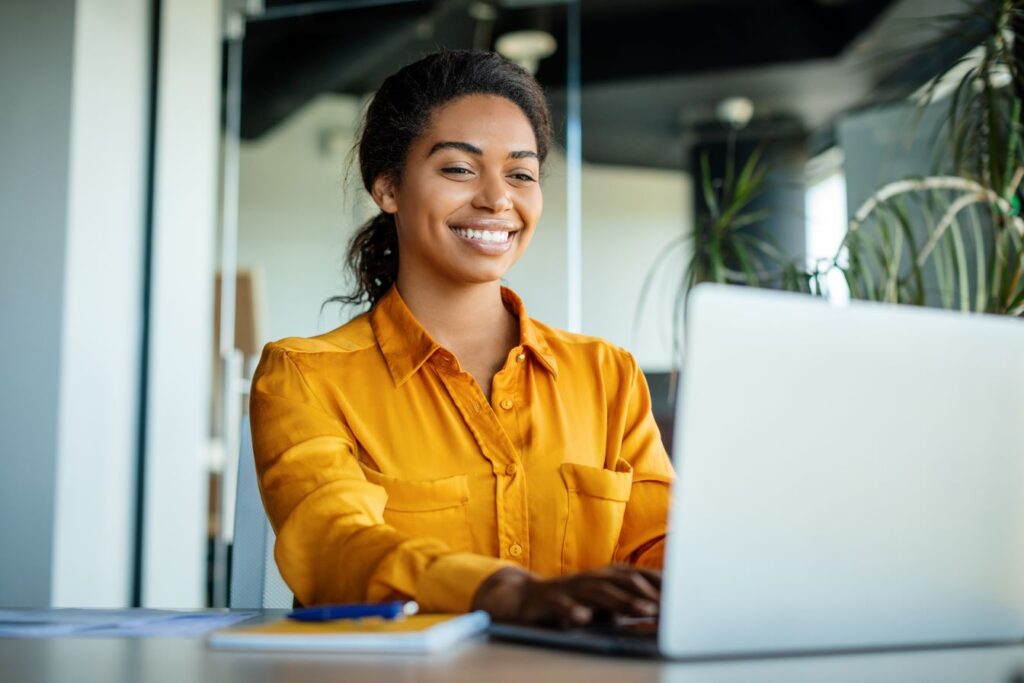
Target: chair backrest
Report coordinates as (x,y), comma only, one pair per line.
(255,581)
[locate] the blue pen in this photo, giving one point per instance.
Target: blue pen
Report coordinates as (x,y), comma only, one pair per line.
(383,610)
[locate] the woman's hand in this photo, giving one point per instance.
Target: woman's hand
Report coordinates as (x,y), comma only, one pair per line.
(515,595)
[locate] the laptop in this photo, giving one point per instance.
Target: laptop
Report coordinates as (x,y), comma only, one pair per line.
(849,479)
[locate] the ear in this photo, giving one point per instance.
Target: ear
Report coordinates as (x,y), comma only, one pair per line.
(384,194)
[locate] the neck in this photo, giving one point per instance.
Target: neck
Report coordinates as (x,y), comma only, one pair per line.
(457,315)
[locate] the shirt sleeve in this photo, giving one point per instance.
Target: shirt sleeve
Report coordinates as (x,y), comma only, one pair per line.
(642,539)
(332,542)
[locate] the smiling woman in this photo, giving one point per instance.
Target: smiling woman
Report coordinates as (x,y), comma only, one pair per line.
(444,446)
(469,188)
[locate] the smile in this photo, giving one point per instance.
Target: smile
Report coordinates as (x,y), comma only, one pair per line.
(492,236)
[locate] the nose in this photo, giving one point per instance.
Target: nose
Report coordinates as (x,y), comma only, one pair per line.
(492,194)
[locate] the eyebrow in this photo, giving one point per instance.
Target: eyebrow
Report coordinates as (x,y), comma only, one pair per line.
(473,149)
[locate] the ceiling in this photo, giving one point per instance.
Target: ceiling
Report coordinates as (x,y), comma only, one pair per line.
(652,71)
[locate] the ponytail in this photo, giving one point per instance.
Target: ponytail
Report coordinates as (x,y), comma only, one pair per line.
(372,260)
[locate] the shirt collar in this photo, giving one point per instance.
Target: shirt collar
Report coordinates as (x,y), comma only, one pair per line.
(530,335)
(407,346)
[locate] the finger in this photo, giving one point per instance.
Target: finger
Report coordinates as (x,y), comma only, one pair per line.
(569,612)
(653,576)
(556,606)
(604,594)
(636,584)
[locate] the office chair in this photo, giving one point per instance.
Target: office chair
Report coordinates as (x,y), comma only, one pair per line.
(255,581)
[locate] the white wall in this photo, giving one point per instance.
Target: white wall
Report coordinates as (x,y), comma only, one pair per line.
(73,86)
(36,45)
(296,218)
(181,324)
(630,216)
(99,415)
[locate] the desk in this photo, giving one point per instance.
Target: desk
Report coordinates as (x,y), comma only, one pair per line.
(187,660)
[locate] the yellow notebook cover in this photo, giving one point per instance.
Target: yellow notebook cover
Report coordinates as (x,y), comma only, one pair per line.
(420,633)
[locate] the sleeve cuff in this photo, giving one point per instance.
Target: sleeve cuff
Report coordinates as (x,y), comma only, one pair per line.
(452,580)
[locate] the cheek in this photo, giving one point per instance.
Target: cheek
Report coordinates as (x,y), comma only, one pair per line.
(532,205)
(429,203)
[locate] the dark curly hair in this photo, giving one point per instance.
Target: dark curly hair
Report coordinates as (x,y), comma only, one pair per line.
(398,114)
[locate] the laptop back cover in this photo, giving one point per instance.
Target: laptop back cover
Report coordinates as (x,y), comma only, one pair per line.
(848,478)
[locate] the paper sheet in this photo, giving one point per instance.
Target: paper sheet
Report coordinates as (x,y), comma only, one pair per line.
(114,623)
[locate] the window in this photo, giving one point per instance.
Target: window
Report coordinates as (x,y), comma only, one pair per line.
(825,211)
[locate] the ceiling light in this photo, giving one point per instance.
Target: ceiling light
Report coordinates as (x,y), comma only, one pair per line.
(526,48)
(735,111)
(482,11)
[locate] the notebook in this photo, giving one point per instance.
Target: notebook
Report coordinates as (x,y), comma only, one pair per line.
(418,634)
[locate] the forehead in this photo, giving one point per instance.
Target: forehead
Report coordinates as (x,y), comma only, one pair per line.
(487,121)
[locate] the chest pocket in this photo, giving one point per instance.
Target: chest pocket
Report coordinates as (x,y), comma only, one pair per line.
(597,504)
(437,508)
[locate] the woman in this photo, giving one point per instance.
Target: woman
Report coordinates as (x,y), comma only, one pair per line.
(443,446)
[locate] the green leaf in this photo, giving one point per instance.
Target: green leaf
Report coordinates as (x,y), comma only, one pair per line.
(980,274)
(715,260)
(964,286)
(899,209)
(751,172)
(707,183)
(938,256)
(999,256)
(743,256)
(1011,155)
(730,166)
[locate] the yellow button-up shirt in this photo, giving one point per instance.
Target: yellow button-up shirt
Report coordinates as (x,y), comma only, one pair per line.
(386,474)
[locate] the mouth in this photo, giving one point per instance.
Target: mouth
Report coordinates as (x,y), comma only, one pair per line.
(487,236)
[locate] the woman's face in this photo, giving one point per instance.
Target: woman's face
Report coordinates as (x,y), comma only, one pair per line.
(470,198)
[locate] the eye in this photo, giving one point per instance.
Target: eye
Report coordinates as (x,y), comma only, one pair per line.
(525,177)
(457,170)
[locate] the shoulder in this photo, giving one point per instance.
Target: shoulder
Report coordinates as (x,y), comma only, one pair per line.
(582,343)
(315,365)
(339,349)
(587,351)
(354,336)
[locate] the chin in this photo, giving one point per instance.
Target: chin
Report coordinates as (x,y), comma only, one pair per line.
(479,273)
(479,277)
(482,279)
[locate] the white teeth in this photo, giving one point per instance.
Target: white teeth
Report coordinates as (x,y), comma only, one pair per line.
(483,235)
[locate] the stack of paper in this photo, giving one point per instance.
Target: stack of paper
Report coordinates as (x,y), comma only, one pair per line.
(107,623)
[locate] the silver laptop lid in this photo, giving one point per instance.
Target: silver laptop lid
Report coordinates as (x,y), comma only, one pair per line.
(847,477)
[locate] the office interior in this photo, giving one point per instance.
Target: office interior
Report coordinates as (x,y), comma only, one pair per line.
(178,190)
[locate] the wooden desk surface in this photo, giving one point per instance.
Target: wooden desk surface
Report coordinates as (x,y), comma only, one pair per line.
(188,660)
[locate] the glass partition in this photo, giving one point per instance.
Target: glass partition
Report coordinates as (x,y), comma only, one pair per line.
(298,76)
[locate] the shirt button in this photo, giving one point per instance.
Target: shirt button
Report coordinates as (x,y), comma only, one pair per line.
(507,404)
(510,469)
(515,550)
(520,358)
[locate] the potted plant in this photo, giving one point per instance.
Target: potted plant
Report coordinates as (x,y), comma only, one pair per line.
(953,240)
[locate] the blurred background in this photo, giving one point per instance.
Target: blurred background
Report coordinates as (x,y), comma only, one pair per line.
(177,190)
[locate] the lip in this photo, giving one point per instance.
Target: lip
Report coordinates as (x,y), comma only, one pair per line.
(491,225)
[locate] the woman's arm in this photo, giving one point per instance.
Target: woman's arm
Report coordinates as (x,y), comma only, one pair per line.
(642,539)
(332,542)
